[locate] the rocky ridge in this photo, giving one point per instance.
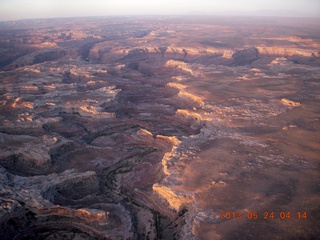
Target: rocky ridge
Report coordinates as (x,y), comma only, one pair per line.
(102,145)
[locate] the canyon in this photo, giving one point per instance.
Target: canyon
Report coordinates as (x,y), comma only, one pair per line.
(160,128)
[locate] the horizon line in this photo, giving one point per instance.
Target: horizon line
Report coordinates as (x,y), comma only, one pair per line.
(164,15)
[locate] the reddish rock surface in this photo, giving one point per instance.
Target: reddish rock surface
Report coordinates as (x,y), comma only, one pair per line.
(164,128)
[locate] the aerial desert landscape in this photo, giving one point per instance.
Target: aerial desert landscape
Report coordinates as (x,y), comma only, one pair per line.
(160,128)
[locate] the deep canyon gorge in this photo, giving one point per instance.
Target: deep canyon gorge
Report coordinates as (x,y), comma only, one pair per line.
(160,128)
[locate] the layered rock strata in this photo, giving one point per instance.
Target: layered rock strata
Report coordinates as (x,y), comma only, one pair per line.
(150,131)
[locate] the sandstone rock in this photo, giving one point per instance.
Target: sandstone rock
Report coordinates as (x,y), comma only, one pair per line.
(245,56)
(175,199)
(148,130)
(289,103)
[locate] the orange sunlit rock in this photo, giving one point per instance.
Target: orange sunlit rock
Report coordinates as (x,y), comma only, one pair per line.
(159,127)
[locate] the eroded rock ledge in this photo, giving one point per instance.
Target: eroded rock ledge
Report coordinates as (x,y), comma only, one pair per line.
(141,132)
(114,129)
(32,211)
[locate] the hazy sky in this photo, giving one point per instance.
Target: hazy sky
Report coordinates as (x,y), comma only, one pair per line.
(20,9)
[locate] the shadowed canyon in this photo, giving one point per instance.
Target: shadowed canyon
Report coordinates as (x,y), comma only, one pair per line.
(160,128)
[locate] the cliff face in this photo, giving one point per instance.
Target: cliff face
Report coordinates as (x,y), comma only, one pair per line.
(32,206)
(287,51)
(76,148)
(246,56)
(157,128)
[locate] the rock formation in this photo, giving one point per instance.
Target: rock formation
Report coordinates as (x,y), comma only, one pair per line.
(158,129)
